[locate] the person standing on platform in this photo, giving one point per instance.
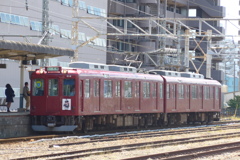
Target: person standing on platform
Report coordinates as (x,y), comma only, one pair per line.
(26,95)
(9,96)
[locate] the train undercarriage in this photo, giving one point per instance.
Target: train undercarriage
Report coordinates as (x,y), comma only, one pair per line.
(103,122)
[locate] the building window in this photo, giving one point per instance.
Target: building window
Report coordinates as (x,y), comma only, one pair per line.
(81,36)
(192,13)
(54,29)
(36,26)
(14,19)
(82,5)
(65,33)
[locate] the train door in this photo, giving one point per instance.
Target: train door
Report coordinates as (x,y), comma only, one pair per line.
(154,96)
(200,96)
(53,102)
(188,100)
(137,95)
(217,99)
(69,94)
(96,97)
(117,95)
(81,95)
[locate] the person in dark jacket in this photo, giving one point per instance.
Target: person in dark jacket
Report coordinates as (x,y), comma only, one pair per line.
(9,96)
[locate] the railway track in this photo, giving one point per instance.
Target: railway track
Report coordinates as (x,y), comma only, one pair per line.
(146,135)
(29,138)
(190,154)
(132,147)
(37,137)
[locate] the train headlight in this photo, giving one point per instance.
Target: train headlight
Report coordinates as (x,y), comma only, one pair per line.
(64,71)
(41,71)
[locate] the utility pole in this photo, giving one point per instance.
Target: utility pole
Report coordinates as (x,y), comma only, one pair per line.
(74,37)
(45,28)
(45,21)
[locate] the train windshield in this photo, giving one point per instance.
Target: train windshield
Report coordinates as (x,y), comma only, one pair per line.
(69,87)
(38,87)
(53,87)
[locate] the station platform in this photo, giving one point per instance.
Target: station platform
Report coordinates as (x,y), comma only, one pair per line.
(15,124)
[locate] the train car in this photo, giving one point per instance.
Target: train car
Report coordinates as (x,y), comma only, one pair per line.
(190,100)
(76,99)
(81,99)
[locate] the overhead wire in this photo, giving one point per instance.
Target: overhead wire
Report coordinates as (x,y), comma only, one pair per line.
(67,18)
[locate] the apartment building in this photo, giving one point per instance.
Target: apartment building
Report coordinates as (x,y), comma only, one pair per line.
(161,9)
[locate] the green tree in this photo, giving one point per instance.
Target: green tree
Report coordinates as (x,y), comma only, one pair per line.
(235,102)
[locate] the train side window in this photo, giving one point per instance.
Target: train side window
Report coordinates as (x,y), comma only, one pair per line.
(137,90)
(87,88)
(69,87)
(38,87)
(168,91)
(173,91)
(128,89)
(154,91)
(187,91)
(96,88)
(161,90)
(200,92)
(53,87)
(146,89)
(180,91)
(107,88)
(206,92)
(194,91)
(211,92)
(117,89)
(217,92)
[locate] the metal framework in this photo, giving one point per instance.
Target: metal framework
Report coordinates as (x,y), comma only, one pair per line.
(190,34)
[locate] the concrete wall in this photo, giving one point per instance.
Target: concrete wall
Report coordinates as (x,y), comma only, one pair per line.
(14,125)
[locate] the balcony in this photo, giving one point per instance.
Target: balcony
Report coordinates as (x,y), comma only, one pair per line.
(148,1)
(116,9)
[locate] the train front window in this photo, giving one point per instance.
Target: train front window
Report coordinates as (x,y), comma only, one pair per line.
(69,87)
(38,87)
(53,87)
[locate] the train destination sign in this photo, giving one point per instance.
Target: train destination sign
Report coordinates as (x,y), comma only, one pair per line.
(53,68)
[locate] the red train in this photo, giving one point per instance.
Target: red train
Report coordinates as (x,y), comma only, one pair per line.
(70,99)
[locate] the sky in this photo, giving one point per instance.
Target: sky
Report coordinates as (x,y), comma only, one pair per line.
(232,11)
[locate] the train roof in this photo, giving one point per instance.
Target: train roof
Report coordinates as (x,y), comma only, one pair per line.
(104,67)
(125,75)
(170,79)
